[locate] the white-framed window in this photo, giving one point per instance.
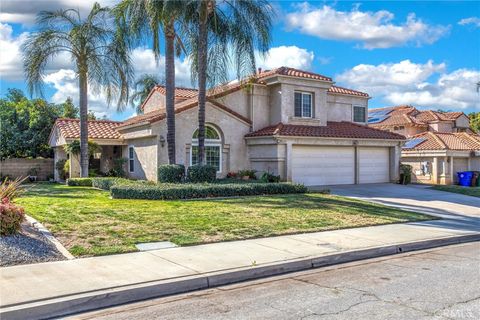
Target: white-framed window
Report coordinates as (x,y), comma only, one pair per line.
(303,104)
(425,168)
(213,148)
(131,159)
(359,114)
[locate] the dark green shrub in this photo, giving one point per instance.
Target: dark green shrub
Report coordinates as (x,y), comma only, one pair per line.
(105,183)
(79,182)
(405,173)
(171,173)
(207,190)
(199,174)
(269,177)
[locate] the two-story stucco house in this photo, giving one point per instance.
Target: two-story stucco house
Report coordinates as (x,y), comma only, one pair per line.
(292,123)
(440,143)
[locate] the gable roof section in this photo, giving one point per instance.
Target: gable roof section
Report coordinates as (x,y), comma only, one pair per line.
(97,129)
(409,115)
(343,129)
(161,114)
(459,141)
(341,90)
(180,92)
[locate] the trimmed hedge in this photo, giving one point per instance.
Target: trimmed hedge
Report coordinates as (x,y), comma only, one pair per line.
(199,174)
(106,183)
(192,191)
(79,182)
(171,173)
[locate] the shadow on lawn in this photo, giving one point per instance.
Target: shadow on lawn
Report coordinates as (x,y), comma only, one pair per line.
(326,202)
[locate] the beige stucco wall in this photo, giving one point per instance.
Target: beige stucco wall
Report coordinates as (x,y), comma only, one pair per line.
(340,107)
(462,122)
(416,163)
(145,157)
(441,127)
(155,102)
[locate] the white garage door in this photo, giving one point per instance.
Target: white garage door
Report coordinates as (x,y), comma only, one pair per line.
(374,165)
(323,165)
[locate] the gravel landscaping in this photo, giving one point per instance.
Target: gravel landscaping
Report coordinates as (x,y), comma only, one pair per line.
(29,246)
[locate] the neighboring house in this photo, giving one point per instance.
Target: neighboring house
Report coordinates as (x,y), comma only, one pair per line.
(289,122)
(440,143)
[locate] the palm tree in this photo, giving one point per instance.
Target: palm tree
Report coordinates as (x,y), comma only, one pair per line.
(144,20)
(101,59)
(242,25)
(143,86)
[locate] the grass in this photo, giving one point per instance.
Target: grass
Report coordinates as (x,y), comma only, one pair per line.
(88,222)
(469,191)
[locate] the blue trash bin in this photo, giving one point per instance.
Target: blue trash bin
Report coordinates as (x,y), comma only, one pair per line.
(465,178)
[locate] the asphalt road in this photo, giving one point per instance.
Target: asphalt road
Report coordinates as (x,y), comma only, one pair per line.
(442,283)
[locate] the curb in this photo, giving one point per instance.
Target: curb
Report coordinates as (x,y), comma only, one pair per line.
(47,234)
(67,305)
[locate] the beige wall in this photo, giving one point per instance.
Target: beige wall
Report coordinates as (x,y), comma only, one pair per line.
(155,102)
(340,107)
(16,167)
(462,122)
(145,158)
(441,127)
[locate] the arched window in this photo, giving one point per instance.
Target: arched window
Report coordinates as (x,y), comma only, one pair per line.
(213,148)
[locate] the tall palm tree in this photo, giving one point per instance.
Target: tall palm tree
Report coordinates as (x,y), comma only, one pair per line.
(101,59)
(242,25)
(145,20)
(143,86)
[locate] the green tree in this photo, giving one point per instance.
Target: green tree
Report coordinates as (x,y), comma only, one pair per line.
(475,121)
(70,111)
(148,20)
(143,86)
(100,55)
(240,25)
(25,126)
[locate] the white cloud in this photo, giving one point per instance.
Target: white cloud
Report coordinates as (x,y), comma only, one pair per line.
(424,85)
(472,20)
(371,29)
(288,56)
(25,11)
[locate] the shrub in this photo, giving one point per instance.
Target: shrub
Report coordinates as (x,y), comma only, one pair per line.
(232,175)
(171,173)
(105,183)
(11,189)
(405,173)
(60,167)
(191,191)
(117,170)
(79,182)
(251,174)
(11,217)
(269,177)
(199,173)
(66,169)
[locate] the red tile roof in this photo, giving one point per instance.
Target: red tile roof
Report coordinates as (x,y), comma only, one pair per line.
(342,129)
(341,90)
(161,114)
(409,115)
(459,141)
(180,92)
(97,129)
(291,72)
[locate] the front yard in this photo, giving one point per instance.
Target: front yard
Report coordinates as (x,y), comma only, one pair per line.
(469,191)
(88,222)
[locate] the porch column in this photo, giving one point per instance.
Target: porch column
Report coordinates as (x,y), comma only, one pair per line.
(435,170)
(289,158)
(452,174)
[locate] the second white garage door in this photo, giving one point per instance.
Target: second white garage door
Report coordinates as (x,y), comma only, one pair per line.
(323,165)
(374,165)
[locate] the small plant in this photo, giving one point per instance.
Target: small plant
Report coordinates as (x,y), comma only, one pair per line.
(269,177)
(11,189)
(32,174)
(50,177)
(247,174)
(232,175)
(199,173)
(405,174)
(79,182)
(66,169)
(11,217)
(171,173)
(60,167)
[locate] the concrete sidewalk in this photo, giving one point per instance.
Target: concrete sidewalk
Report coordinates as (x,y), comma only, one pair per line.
(63,287)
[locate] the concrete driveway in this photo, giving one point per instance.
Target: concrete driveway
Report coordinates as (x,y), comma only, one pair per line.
(456,207)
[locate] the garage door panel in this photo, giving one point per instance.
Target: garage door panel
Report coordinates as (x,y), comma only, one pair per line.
(374,165)
(323,165)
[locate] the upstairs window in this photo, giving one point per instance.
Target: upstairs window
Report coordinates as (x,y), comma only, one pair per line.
(303,105)
(359,114)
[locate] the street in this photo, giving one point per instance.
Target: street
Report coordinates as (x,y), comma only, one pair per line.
(442,283)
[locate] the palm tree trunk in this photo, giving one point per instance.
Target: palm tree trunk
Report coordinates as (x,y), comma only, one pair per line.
(170,88)
(83,124)
(202,80)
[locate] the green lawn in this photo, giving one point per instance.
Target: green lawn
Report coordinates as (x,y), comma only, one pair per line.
(469,191)
(88,222)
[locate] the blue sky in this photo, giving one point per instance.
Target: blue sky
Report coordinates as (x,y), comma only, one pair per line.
(422,53)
